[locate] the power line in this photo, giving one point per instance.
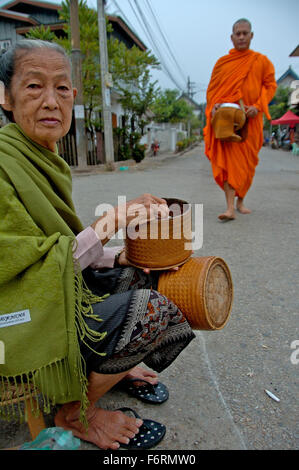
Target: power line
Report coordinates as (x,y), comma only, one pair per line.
(200,87)
(140,22)
(154,45)
(123,15)
(165,40)
(152,39)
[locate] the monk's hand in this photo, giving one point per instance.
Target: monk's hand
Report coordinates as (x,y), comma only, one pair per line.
(251,111)
(215,108)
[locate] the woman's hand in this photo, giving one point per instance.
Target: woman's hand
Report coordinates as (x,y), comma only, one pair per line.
(141,209)
(122,261)
(144,207)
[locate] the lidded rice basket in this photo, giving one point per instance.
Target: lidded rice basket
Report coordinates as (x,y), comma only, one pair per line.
(162,243)
(202,289)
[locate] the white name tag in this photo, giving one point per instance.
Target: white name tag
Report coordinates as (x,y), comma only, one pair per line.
(15,318)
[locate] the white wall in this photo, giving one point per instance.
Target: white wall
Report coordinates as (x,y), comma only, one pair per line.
(166,134)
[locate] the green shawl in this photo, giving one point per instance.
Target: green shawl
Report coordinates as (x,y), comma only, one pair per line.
(38,276)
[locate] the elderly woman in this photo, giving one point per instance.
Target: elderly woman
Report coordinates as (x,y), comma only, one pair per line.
(71,330)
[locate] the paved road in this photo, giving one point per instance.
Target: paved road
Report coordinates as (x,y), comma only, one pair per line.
(217,398)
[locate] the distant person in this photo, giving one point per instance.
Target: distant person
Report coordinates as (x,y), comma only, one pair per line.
(242,74)
(155,147)
(292,135)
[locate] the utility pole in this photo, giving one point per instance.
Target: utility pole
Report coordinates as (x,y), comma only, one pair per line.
(190,88)
(76,58)
(106,85)
(190,95)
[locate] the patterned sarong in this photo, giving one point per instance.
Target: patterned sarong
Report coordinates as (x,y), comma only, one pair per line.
(142,325)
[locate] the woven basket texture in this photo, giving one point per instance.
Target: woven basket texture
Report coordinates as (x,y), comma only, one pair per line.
(162,243)
(202,288)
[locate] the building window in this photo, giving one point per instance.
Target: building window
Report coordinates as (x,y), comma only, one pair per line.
(5,44)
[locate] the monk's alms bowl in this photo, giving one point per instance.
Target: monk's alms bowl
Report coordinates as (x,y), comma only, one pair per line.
(162,243)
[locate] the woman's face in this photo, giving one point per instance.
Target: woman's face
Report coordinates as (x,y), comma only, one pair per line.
(41,96)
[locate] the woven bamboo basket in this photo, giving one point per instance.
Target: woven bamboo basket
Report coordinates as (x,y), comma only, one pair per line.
(162,243)
(202,288)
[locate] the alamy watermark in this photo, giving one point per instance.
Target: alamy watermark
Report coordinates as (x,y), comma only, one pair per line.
(2,93)
(295,355)
(181,226)
(2,352)
(294,98)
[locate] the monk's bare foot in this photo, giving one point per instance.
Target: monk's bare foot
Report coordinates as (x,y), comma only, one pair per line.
(243,210)
(228,215)
(140,373)
(106,429)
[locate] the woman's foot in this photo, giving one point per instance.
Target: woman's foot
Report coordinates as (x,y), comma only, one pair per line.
(140,373)
(106,429)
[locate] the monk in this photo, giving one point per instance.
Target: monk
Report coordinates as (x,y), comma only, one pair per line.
(246,75)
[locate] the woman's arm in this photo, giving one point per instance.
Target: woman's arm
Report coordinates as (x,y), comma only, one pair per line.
(90,250)
(144,208)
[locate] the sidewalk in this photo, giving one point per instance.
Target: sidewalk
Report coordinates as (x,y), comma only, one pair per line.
(126,165)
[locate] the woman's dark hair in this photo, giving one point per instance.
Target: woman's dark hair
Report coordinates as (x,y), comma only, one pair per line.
(8,60)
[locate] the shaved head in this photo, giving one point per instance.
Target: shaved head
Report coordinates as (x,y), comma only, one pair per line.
(242,34)
(242,20)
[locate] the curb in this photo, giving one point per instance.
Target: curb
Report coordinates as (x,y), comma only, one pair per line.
(115,166)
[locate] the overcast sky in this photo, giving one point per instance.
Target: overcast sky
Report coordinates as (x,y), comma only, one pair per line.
(192,34)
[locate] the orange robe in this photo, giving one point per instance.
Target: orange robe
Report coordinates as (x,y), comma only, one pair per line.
(248,75)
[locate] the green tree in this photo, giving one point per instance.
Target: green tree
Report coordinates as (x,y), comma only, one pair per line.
(136,102)
(40,32)
(169,108)
(131,71)
(280,102)
(128,66)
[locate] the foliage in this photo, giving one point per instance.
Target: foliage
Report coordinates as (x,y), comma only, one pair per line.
(280,102)
(138,152)
(128,66)
(129,144)
(169,108)
(185,143)
(121,145)
(40,32)
(132,81)
(279,105)
(137,100)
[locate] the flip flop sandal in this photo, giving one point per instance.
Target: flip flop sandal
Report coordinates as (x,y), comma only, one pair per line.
(150,433)
(154,394)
